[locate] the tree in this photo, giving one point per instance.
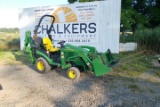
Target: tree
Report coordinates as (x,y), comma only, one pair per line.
(150,10)
(130,17)
(155,14)
(9,30)
(72,1)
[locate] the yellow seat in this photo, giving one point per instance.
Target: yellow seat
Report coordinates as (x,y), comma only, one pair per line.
(49,46)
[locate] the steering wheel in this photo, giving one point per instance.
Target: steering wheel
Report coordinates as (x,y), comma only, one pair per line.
(61,43)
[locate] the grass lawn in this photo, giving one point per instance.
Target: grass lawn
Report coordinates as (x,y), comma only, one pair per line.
(10,50)
(13,58)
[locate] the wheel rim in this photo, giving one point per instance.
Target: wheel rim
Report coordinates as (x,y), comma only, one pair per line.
(72,74)
(40,66)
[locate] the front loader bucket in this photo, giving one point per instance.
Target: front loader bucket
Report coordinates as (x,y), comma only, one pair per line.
(99,67)
(108,59)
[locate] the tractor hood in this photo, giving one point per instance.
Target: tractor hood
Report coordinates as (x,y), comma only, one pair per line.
(78,49)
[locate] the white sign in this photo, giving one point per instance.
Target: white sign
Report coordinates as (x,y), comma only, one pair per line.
(77,24)
(74,24)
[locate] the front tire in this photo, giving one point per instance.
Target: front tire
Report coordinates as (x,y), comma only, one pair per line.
(73,73)
(42,65)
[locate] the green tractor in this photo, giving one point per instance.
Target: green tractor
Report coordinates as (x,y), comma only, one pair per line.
(74,58)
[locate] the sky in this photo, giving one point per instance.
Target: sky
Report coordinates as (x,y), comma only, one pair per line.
(9,9)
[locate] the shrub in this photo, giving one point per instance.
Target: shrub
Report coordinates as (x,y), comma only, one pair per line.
(9,41)
(148,39)
(127,38)
(14,44)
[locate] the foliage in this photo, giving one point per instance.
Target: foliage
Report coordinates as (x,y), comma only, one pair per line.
(13,58)
(9,30)
(126,18)
(157,73)
(133,69)
(146,15)
(155,16)
(131,16)
(127,38)
(14,44)
(72,1)
(148,39)
(151,12)
(9,50)
(130,67)
(9,41)
(85,0)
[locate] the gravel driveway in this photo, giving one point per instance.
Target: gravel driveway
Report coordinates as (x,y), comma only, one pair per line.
(22,86)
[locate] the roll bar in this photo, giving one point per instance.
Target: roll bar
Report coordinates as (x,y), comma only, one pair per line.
(48,30)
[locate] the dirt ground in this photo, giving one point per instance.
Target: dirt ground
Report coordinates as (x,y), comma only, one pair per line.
(22,86)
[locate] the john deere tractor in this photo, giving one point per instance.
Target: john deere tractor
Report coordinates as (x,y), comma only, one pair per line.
(75,59)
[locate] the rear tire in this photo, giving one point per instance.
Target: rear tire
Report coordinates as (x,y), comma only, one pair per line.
(42,65)
(73,73)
